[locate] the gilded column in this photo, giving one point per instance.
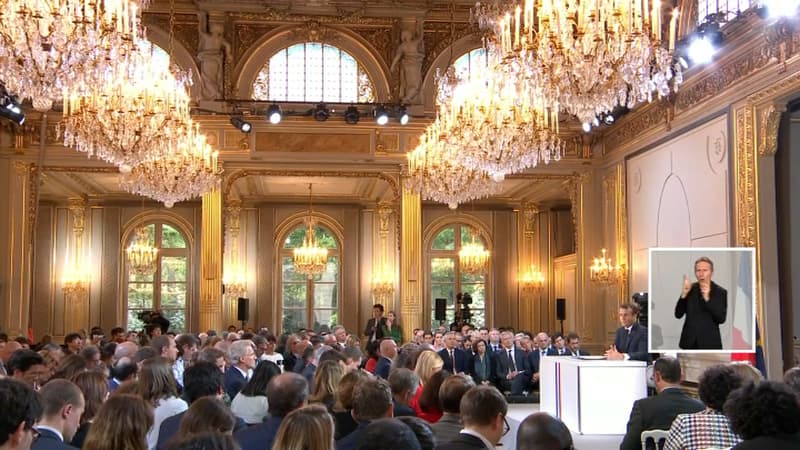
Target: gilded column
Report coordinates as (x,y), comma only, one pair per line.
(411,274)
(384,275)
(211,263)
(20,215)
(528,292)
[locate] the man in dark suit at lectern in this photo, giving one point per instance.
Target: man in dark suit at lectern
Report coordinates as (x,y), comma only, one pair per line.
(631,338)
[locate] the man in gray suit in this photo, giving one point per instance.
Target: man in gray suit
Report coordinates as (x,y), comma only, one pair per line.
(450,393)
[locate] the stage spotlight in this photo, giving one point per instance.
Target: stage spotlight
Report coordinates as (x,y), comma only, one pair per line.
(321,112)
(243,125)
(381,115)
(402,115)
(609,119)
(587,127)
(10,109)
(351,115)
(781,8)
(274,114)
(701,50)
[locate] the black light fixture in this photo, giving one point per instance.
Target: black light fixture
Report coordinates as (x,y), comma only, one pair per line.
(402,115)
(351,115)
(381,115)
(274,114)
(10,108)
(243,125)
(321,112)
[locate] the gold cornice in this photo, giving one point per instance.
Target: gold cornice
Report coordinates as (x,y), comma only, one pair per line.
(769,123)
(242,173)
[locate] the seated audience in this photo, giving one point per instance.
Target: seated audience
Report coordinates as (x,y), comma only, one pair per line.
(428,363)
(207,414)
(342,409)
(28,367)
(251,404)
(70,366)
(541,431)
(483,364)
(658,412)
(404,384)
(205,441)
(213,356)
(483,411)
(450,394)
(306,428)
(285,393)
(326,378)
(792,379)
(372,400)
(765,415)
(121,423)
(429,407)
(422,430)
(243,361)
(374,436)
(94,387)
(387,352)
(709,428)
(157,385)
(573,345)
(63,405)
(22,408)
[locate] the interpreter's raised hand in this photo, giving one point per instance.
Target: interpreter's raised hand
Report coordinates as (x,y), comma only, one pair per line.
(705,291)
(687,286)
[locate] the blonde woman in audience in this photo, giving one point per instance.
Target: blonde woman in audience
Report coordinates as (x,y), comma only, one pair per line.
(353,341)
(307,428)
(747,372)
(121,423)
(94,387)
(157,385)
(326,379)
(428,363)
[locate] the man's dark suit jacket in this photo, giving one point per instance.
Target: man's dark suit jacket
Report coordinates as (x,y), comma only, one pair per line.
(50,441)
(401,410)
(350,442)
(462,362)
(234,381)
(371,328)
(259,436)
(535,356)
(383,367)
(503,367)
(463,442)
(657,413)
(774,442)
(635,344)
(580,352)
(171,425)
(701,327)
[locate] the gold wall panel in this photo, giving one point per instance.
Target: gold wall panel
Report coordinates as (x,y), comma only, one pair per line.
(313,143)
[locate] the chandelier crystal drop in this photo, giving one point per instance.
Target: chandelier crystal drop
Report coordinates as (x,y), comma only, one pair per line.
(189,169)
(473,258)
(47,46)
(142,256)
(142,106)
(588,56)
(310,259)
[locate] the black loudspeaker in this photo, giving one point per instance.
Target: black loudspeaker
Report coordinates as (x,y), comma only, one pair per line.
(243,309)
(561,309)
(440,311)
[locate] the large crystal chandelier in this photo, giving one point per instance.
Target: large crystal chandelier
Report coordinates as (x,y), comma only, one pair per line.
(188,170)
(142,106)
(473,258)
(589,56)
(142,257)
(310,259)
(47,46)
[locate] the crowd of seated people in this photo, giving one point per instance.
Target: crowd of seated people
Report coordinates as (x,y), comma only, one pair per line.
(249,389)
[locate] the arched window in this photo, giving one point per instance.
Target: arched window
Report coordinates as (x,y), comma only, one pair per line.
(722,11)
(166,288)
(447,278)
(309,303)
(313,72)
(467,63)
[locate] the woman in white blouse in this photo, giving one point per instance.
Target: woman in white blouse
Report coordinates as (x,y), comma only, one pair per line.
(250,404)
(157,385)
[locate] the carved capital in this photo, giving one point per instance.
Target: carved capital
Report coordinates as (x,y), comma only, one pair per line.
(21,168)
(529,212)
(385,211)
(77,208)
(768,123)
(233,213)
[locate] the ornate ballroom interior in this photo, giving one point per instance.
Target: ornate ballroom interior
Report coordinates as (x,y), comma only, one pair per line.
(708,165)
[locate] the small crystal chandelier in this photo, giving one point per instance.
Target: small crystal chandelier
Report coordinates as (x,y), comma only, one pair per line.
(532,281)
(473,258)
(176,174)
(310,259)
(382,283)
(47,46)
(142,257)
(604,272)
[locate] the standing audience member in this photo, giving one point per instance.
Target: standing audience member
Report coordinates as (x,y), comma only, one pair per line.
(392,329)
(422,430)
(251,404)
(450,395)
(483,411)
(541,431)
(404,384)
(157,385)
(94,387)
(326,378)
(63,406)
(121,423)
(372,400)
(344,423)
(658,412)
(207,414)
(375,435)
(766,415)
(285,393)
(21,408)
(709,428)
(306,428)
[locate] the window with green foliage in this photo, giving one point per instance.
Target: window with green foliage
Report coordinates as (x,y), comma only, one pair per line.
(166,288)
(309,303)
(446,278)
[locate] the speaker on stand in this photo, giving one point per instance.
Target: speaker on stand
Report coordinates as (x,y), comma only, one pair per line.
(243,310)
(561,312)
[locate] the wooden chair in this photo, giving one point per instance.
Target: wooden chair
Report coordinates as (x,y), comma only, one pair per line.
(656,435)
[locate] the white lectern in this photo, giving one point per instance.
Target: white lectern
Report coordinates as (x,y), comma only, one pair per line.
(591,396)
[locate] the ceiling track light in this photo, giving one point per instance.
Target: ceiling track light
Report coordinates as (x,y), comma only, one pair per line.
(274,114)
(243,125)
(11,109)
(351,115)
(321,112)
(381,115)
(402,115)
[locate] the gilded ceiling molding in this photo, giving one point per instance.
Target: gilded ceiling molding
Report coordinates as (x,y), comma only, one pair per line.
(80,169)
(769,122)
(746,212)
(242,173)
